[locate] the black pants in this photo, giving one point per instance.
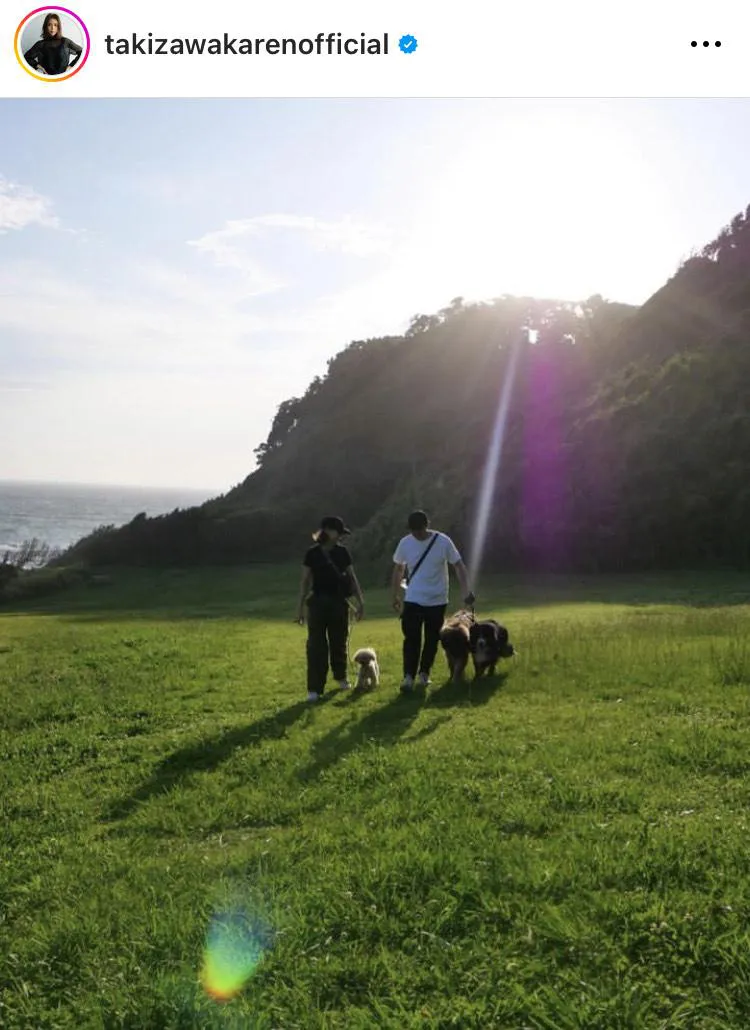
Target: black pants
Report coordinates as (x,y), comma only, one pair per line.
(327,636)
(413,618)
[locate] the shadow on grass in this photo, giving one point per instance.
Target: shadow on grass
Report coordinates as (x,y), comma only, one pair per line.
(386,725)
(472,692)
(205,756)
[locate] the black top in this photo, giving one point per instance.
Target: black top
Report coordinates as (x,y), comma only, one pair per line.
(54,55)
(325,580)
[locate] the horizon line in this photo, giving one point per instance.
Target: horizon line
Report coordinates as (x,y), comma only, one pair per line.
(123,486)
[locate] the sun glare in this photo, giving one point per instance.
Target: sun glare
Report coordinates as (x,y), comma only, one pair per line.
(546,206)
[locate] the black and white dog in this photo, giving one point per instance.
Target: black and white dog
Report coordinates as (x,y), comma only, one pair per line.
(488,643)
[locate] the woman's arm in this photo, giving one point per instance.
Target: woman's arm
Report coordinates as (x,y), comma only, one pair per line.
(304,590)
(33,56)
(75,50)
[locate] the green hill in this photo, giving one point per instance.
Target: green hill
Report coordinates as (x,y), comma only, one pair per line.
(626,445)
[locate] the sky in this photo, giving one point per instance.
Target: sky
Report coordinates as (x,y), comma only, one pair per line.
(171,271)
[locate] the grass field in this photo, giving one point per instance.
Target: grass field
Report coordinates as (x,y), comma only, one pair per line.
(563,847)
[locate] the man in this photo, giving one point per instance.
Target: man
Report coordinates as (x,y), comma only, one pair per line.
(424,557)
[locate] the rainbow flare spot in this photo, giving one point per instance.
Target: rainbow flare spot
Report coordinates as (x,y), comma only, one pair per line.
(234,948)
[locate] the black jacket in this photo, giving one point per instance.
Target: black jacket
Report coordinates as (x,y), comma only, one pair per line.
(53,56)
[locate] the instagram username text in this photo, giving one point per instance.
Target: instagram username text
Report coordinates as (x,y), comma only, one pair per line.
(330,44)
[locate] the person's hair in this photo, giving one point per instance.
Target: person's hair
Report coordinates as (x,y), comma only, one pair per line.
(52,16)
(418,520)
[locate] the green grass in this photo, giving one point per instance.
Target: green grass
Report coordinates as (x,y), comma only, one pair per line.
(562,847)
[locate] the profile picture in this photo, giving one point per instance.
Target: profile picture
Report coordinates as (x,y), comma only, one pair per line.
(52,43)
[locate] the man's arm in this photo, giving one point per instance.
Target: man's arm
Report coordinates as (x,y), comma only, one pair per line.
(304,590)
(396,579)
(462,575)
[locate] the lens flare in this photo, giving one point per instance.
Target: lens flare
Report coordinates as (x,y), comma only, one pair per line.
(492,465)
(235,945)
(544,524)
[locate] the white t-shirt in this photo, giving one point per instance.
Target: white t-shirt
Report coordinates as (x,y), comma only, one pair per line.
(430,585)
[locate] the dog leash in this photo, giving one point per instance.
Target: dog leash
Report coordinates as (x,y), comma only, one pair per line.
(351,620)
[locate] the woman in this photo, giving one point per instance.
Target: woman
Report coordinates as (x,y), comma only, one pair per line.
(328,580)
(54,53)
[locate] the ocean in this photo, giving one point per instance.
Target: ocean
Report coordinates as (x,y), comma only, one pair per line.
(59,514)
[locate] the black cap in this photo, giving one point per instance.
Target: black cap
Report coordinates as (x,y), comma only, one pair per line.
(418,520)
(334,522)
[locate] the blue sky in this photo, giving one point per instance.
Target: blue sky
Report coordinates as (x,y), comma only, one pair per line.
(170,271)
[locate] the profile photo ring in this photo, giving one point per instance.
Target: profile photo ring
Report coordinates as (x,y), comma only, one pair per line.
(52,44)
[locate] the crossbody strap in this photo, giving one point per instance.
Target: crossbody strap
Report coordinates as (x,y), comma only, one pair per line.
(410,575)
(343,576)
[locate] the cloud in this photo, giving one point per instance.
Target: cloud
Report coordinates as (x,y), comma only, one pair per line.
(222,246)
(358,239)
(24,385)
(232,246)
(163,319)
(152,318)
(21,206)
(178,356)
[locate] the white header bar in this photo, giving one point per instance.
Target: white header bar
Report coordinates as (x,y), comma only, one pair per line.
(290,48)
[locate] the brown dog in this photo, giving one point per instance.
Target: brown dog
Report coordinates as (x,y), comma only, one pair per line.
(454,636)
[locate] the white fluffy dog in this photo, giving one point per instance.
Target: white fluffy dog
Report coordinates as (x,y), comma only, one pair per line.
(369,670)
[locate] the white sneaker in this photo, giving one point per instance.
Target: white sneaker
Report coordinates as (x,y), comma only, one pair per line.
(424,679)
(312,697)
(407,684)
(345,685)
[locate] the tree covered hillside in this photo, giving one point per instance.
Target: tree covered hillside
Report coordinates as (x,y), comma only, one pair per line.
(626,443)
